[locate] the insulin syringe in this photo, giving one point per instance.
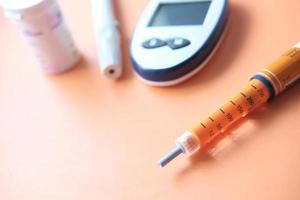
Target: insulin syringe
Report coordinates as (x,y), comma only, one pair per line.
(264,85)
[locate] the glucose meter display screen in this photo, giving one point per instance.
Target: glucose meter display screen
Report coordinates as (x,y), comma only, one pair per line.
(176,14)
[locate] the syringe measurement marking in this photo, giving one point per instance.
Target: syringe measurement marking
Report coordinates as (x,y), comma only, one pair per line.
(211,133)
(250,100)
(243,94)
(261,93)
(222,110)
(254,86)
(219,126)
(229,117)
(240,109)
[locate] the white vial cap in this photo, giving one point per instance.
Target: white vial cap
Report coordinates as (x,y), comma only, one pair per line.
(19,4)
(25,7)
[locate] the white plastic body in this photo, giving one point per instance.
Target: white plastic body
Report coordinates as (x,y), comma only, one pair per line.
(164,57)
(107,38)
(42,27)
(189,143)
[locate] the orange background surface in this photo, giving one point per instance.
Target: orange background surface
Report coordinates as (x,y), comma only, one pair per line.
(79,136)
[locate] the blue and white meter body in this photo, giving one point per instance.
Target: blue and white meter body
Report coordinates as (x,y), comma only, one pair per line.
(175,38)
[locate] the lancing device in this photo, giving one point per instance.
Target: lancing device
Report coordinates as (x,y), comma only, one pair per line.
(264,85)
(107,38)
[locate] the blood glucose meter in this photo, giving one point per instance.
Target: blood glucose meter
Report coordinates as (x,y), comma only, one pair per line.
(175,38)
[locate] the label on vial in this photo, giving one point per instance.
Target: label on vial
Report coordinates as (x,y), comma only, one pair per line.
(48,38)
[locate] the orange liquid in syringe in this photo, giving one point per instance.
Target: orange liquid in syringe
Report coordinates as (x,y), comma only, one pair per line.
(251,97)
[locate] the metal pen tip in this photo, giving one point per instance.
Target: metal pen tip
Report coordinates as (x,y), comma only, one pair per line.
(170,156)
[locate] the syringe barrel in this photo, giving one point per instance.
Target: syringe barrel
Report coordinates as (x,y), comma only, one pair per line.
(254,94)
(267,83)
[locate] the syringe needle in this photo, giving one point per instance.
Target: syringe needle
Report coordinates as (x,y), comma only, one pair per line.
(170,156)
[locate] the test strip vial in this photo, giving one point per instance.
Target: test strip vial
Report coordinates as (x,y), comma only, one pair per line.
(41,25)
